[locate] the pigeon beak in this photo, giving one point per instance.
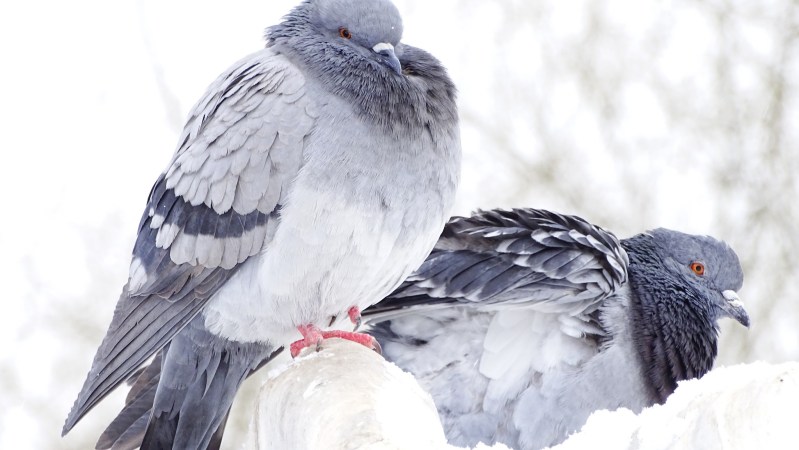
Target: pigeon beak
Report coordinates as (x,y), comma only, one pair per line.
(734,307)
(386,51)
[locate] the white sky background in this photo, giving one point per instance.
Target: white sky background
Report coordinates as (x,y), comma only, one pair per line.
(632,121)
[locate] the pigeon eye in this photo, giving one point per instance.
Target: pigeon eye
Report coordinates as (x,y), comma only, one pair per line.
(345,33)
(698,268)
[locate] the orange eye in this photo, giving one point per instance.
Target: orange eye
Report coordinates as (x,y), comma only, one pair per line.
(345,33)
(698,268)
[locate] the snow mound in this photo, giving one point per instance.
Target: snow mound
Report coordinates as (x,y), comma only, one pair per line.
(739,407)
(345,397)
(348,397)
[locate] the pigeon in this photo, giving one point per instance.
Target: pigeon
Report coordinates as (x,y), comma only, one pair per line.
(309,181)
(522,322)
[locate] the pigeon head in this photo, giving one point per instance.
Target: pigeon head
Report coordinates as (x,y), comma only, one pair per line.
(681,284)
(352,48)
(372,28)
(354,31)
(709,266)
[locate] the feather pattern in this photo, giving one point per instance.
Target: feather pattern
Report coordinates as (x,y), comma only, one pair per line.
(236,150)
(126,431)
(199,369)
(530,258)
(191,237)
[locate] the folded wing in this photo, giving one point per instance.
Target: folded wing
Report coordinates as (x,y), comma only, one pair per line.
(215,207)
(510,258)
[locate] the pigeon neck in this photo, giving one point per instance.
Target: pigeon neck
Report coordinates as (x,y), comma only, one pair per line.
(421,97)
(674,337)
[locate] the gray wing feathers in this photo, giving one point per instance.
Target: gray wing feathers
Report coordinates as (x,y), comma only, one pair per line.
(552,262)
(126,431)
(244,138)
(208,213)
(567,258)
(240,150)
(199,378)
(140,327)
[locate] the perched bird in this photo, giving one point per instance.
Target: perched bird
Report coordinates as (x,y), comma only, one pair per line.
(309,181)
(522,322)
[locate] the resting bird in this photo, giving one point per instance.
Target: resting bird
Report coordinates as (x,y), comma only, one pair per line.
(309,181)
(521,323)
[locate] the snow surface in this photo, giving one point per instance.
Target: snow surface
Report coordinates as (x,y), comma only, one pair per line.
(351,398)
(354,400)
(740,407)
(348,397)
(345,397)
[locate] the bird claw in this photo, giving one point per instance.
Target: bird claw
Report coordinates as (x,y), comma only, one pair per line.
(361,338)
(310,336)
(313,336)
(355,317)
(377,347)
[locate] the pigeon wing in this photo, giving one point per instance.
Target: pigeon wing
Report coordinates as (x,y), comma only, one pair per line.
(514,258)
(216,205)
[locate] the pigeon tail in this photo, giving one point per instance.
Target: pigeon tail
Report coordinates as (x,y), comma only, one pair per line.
(200,374)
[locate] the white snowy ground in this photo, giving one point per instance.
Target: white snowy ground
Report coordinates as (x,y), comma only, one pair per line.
(352,399)
(745,407)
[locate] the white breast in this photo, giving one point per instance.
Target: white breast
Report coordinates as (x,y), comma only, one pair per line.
(326,256)
(358,218)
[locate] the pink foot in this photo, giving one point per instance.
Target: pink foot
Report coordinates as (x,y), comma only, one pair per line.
(310,336)
(313,336)
(360,338)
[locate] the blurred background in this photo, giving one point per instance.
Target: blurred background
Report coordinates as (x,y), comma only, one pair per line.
(634,114)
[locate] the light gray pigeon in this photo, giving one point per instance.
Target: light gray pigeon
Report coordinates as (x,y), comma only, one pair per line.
(309,181)
(521,323)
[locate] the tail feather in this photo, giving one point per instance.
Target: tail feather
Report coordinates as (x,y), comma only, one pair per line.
(122,352)
(130,438)
(182,399)
(126,431)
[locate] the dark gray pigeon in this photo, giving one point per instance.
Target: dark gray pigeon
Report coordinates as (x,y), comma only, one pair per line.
(309,181)
(521,323)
